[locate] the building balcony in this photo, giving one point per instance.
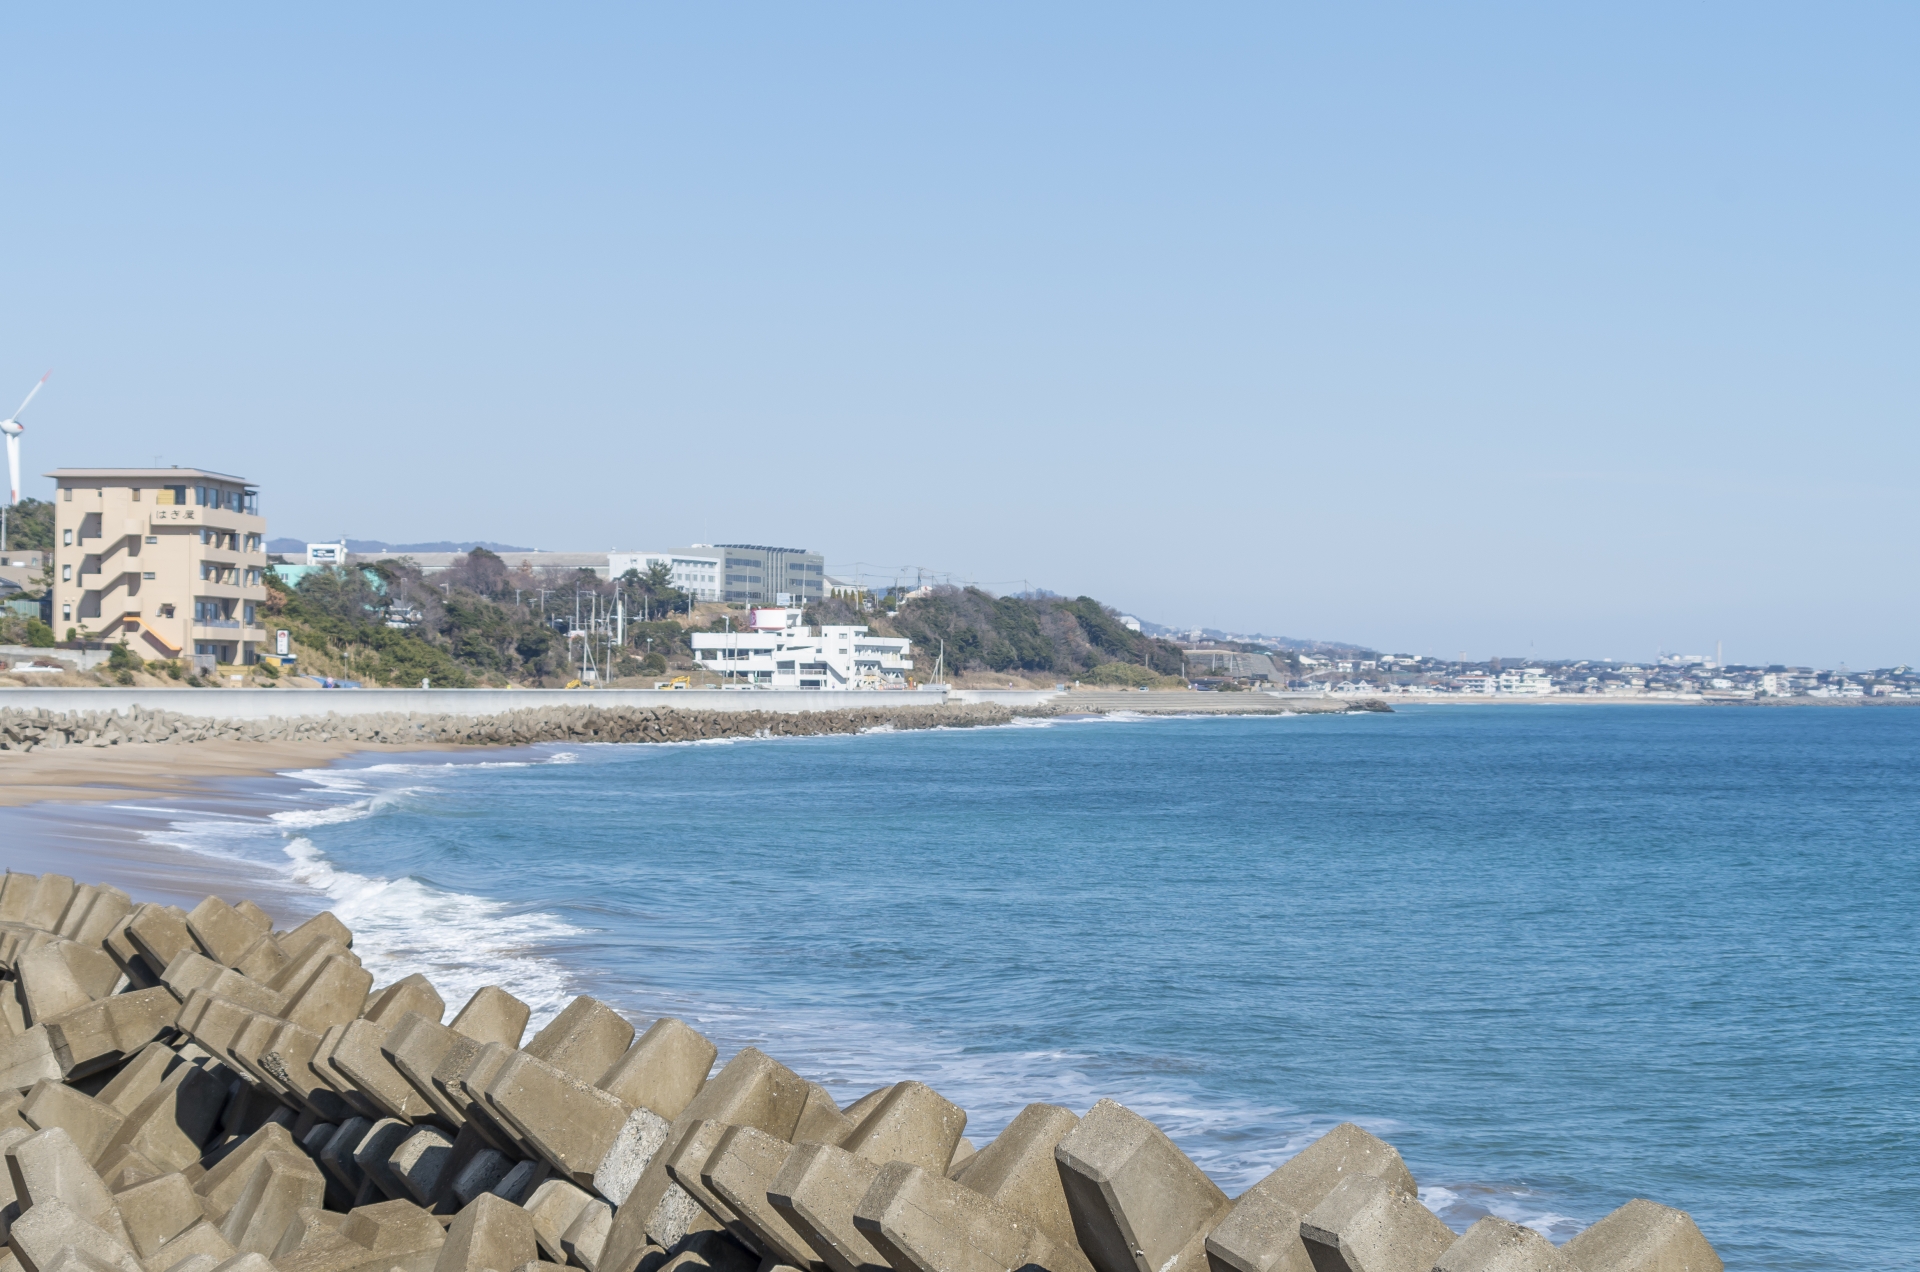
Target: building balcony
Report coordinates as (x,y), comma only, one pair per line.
(226,629)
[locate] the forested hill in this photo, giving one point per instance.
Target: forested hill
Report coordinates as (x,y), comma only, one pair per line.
(1079,638)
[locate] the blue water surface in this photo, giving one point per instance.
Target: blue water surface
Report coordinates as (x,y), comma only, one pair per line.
(1559,956)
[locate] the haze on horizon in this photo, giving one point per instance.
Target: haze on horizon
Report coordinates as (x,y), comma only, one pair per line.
(1578,333)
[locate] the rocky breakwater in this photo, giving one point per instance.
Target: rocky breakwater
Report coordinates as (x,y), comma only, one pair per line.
(33,730)
(195,1091)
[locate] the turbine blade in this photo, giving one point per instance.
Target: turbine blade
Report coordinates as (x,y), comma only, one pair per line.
(30,392)
(13,469)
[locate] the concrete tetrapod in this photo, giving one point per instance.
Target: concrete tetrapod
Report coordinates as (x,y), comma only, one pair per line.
(1138,1203)
(743,1164)
(1018,1169)
(488,1233)
(1643,1236)
(1368,1225)
(1494,1245)
(816,1192)
(1262,1231)
(923,1222)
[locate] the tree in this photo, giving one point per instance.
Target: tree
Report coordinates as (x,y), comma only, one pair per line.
(30,526)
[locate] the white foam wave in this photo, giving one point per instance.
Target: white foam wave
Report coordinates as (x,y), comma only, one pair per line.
(1460,1205)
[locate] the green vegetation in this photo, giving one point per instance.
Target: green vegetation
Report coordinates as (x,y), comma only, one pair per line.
(479,623)
(1067,638)
(30,526)
(1132,676)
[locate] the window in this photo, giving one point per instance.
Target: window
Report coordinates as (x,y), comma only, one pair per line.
(166,611)
(66,574)
(153,538)
(66,613)
(66,493)
(147,575)
(66,538)
(136,494)
(249,613)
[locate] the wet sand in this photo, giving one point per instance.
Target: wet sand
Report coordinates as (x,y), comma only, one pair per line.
(83,774)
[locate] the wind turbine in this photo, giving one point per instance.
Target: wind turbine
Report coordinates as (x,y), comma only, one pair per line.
(12,427)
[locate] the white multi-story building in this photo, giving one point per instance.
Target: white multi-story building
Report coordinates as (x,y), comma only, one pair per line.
(776,652)
(697,571)
(1526,681)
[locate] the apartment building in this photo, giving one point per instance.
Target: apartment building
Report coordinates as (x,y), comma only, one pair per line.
(168,559)
(777,652)
(696,570)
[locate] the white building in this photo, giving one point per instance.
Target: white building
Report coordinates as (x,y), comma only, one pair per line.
(696,571)
(327,553)
(1526,681)
(776,652)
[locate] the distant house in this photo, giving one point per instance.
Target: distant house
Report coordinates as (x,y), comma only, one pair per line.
(777,652)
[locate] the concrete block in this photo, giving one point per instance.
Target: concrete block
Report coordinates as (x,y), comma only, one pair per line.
(488,1234)
(471,1083)
(1643,1236)
(200,1245)
(263,960)
(859,1109)
(159,933)
(254,1106)
(686,1164)
(333,995)
(48,1167)
(553,1208)
(569,1123)
(358,1054)
(493,1015)
(821,1121)
(374,1152)
(415,1046)
(481,1174)
(322,926)
(924,1222)
(220,1187)
(172,1125)
(74,1260)
(308,961)
(158,1210)
(106,909)
(520,1181)
(191,970)
(337,1156)
(61,975)
(409,993)
(752,1090)
(48,901)
(584,1040)
(1494,1245)
(1262,1231)
(38,1237)
(1018,1171)
(638,1141)
(712,1250)
(139,1077)
(277,1187)
(449,1074)
(311,1227)
(101,1034)
(91,1123)
(816,1192)
(133,963)
(373,1238)
(289,1059)
(331,1073)
(15,888)
(663,1070)
(126,1169)
(252,913)
(27,1057)
(912,1123)
(419,1163)
(586,1237)
(221,931)
(743,1164)
(1367,1225)
(1138,1203)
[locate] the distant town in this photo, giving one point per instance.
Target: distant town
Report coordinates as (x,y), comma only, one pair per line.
(169,573)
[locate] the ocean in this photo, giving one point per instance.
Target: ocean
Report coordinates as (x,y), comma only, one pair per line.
(1559,956)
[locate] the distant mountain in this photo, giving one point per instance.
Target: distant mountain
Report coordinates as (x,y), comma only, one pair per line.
(284,546)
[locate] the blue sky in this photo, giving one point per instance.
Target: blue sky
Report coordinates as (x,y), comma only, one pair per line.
(1504,329)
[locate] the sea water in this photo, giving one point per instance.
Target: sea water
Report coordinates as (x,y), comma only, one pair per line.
(1558,956)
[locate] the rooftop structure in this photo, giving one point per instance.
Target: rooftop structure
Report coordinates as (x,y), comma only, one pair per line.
(169,559)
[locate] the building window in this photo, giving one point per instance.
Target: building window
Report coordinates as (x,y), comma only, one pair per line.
(153,538)
(249,613)
(66,493)
(66,538)
(147,575)
(66,574)
(136,494)
(66,613)
(166,611)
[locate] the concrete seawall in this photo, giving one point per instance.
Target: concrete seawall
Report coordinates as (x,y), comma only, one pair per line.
(272,704)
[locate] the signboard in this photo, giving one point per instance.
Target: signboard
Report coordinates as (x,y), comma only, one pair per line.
(282,644)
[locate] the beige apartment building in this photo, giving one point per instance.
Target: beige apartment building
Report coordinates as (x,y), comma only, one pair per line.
(168,559)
